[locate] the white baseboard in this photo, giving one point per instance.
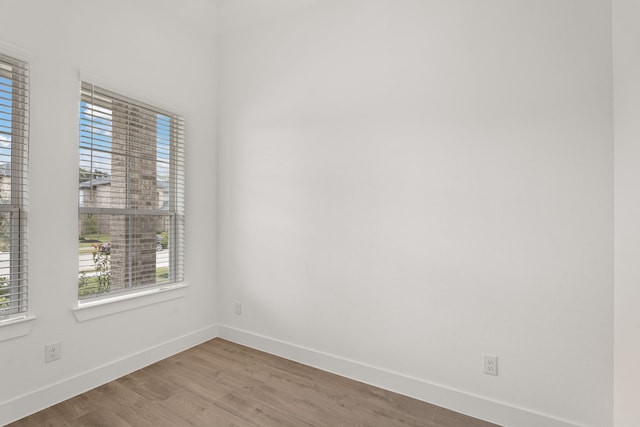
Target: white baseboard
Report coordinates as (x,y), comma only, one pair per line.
(467,403)
(32,402)
(457,400)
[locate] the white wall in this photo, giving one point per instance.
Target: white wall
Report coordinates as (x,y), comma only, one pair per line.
(161,52)
(405,185)
(627,207)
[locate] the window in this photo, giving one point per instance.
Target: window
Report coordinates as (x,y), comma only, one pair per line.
(131,195)
(14,118)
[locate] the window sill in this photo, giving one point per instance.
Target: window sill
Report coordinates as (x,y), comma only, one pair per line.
(16,327)
(111,305)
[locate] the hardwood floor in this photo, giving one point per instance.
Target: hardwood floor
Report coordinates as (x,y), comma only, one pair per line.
(220,383)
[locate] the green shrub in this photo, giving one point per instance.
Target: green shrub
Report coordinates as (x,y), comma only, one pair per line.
(102,260)
(4,290)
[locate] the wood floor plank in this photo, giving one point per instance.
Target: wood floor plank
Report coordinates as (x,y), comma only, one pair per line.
(190,378)
(220,383)
(281,388)
(130,406)
(257,412)
(41,419)
(194,410)
(100,417)
(331,394)
(74,408)
(147,385)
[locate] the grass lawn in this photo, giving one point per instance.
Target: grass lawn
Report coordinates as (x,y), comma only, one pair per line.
(162,274)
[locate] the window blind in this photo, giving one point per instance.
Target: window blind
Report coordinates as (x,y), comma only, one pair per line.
(131,194)
(14,133)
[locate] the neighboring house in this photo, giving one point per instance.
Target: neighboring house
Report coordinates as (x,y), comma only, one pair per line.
(5,182)
(96,193)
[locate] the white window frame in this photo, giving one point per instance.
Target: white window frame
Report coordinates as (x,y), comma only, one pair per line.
(128,297)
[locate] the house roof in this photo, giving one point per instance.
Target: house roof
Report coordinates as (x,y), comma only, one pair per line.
(95,182)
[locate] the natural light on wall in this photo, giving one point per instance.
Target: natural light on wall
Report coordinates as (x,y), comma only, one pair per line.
(131,195)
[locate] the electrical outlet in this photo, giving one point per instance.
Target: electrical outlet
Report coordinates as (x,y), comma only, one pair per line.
(237,308)
(52,352)
(490,364)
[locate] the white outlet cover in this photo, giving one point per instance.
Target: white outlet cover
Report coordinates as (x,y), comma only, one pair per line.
(490,364)
(52,352)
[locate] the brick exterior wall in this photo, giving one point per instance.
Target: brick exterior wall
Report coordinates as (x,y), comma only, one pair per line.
(134,186)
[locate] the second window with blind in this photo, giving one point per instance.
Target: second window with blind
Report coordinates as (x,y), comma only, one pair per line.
(14,134)
(131,195)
